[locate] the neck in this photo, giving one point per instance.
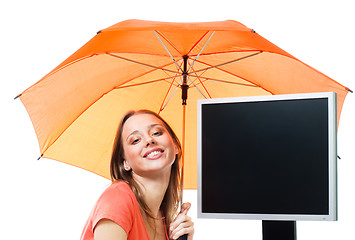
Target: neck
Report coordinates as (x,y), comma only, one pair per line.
(154,189)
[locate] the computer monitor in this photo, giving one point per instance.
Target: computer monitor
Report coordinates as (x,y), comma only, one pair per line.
(268,157)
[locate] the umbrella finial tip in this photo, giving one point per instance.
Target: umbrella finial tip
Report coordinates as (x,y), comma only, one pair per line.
(17,96)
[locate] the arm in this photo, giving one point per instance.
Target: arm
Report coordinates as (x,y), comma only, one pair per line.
(109,230)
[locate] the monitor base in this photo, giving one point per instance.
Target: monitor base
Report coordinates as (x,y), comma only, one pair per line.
(279,230)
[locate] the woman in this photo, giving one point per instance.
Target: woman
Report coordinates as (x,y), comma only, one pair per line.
(142,201)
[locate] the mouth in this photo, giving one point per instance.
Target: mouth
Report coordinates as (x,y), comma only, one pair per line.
(153,153)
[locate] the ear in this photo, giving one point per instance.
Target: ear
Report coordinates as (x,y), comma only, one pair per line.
(176,149)
(126,166)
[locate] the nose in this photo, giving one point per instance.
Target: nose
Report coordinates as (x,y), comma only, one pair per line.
(150,141)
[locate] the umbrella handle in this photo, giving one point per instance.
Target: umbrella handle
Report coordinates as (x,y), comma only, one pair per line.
(183,237)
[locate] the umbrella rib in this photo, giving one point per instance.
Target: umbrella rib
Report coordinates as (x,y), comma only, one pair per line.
(162,104)
(171,96)
(167,50)
(204,87)
(238,77)
(45,149)
(224,81)
(197,42)
(153,81)
(197,88)
(222,64)
(166,39)
(201,51)
(144,64)
(179,84)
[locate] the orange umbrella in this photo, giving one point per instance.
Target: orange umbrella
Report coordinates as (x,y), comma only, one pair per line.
(164,67)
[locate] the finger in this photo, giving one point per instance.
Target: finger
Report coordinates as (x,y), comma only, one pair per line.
(178,220)
(184,222)
(185,207)
(181,221)
(182,232)
(184,228)
(187,229)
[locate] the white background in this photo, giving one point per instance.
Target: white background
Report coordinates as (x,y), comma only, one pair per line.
(49,200)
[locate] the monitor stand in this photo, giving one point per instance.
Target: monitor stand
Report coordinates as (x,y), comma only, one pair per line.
(279,230)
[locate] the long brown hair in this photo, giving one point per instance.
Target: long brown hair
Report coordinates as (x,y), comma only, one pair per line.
(172,195)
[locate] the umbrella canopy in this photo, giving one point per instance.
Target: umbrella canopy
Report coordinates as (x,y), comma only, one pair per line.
(164,67)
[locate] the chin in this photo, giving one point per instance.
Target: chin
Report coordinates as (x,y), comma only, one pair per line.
(155,170)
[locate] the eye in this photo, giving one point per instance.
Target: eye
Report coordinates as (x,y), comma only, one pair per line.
(134,141)
(157,133)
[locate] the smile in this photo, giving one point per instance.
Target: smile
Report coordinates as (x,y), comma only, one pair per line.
(153,154)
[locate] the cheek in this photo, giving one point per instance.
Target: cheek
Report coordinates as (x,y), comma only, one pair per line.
(129,160)
(130,153)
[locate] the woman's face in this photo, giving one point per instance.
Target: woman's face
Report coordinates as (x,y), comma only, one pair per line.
(148,147)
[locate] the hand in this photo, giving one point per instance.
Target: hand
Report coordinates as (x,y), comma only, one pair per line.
(182,224)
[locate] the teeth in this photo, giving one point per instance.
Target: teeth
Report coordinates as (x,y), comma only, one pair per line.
(152,154)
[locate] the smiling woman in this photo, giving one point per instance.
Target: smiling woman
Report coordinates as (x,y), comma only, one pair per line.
(142,201)
(145,138)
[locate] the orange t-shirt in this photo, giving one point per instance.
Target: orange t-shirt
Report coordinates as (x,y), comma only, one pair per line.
(118,204)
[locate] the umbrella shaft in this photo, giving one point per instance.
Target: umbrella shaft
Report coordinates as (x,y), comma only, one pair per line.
(184,89)
(184,86)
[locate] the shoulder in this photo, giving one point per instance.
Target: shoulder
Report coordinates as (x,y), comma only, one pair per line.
(118,204)
(118,193)
(118,187)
